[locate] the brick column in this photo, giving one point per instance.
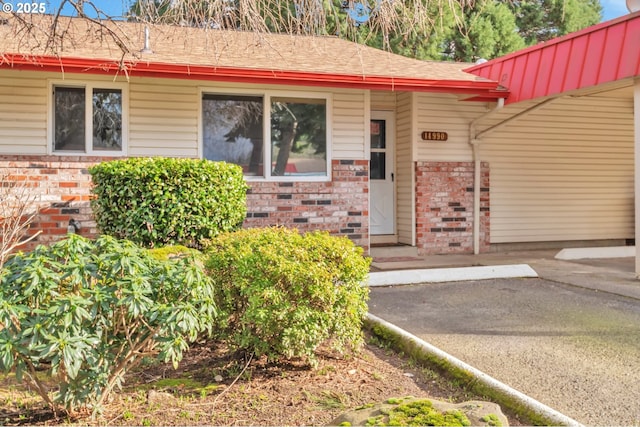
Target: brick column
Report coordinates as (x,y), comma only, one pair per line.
(444,207)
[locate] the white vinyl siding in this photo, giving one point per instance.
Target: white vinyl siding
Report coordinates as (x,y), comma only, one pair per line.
(563,172)
(405,171)
(164,118)
(445,113)
(349,121)
(163,114)
(384,101)
(23,113)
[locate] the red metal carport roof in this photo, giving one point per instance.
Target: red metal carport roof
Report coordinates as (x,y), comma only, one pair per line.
(603,53)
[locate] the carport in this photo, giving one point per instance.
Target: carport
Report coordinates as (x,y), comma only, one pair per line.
(574,105)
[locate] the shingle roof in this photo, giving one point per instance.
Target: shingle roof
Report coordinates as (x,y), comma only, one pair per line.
(219,50)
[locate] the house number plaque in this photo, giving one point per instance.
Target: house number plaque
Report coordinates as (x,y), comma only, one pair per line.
(434,136)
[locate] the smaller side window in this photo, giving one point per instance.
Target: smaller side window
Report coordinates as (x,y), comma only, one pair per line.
(107,119)
(87,119)
(69,117)
(298,137)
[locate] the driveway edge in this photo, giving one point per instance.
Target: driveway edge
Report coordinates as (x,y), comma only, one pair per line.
(481,383)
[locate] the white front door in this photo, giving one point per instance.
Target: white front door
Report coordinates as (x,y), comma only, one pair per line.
(381,176)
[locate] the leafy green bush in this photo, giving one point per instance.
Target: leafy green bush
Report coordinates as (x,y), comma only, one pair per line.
(86,312)
(166,201)
(284,293)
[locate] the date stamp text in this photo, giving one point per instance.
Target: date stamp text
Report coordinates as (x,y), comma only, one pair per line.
(24,7)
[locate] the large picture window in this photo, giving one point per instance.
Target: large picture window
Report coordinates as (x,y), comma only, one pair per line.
(234,130)
(88,119)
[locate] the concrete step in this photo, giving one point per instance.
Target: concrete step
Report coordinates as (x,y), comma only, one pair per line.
(393,251)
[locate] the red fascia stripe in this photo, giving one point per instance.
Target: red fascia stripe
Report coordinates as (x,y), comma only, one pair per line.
(484,89)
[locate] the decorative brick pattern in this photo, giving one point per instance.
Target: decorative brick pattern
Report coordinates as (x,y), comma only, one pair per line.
(340,206)
(444,207)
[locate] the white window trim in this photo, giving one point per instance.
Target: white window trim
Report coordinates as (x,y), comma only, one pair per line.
(88,87)
(267,95)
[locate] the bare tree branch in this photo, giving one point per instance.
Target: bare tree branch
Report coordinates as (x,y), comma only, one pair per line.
(357,20)
(18,209)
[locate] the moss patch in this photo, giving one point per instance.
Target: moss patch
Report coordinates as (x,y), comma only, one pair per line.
(491,420)
(182,386)
(411,411)
(173,251)
(465,378)
(422,413)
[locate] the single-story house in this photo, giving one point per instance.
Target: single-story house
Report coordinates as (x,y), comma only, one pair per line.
(531,148)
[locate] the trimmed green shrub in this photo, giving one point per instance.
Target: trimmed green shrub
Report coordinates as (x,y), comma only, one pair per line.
(168,201)
(86,312)
(284,293)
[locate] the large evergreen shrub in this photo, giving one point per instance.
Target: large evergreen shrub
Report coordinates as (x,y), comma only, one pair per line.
(167,201)
(86,312)
(283,294)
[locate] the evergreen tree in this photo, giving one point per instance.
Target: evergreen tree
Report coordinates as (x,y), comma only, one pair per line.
(489,30)
(542,20)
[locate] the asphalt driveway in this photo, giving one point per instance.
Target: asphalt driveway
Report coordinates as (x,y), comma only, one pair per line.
(574,349)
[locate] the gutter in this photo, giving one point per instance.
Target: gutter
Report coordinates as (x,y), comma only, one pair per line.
(485,89)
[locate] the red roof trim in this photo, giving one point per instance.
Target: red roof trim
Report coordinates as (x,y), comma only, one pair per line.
(487,90)
(603,53)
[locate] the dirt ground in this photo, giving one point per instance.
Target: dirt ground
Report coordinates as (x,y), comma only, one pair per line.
(214,387)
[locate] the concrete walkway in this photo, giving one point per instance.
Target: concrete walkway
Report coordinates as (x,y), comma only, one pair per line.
(569,339)
(612,275)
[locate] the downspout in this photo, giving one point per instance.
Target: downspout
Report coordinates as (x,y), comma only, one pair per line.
(475,138)
(474,141)
(636,173)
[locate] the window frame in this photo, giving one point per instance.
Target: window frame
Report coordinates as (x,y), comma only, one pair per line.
(88,87)
(266,96)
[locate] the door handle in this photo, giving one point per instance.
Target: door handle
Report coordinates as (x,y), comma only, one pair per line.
(392,177)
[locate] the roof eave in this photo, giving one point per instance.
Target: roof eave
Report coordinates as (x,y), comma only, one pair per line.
(481,89)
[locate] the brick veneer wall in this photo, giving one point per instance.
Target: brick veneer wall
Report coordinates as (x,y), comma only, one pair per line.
(62,186)
(444,207)
(340,206)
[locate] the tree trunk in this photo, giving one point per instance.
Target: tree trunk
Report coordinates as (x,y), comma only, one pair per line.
(288,138)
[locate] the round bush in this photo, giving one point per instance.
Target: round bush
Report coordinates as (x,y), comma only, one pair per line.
(284,293)
(167,201)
